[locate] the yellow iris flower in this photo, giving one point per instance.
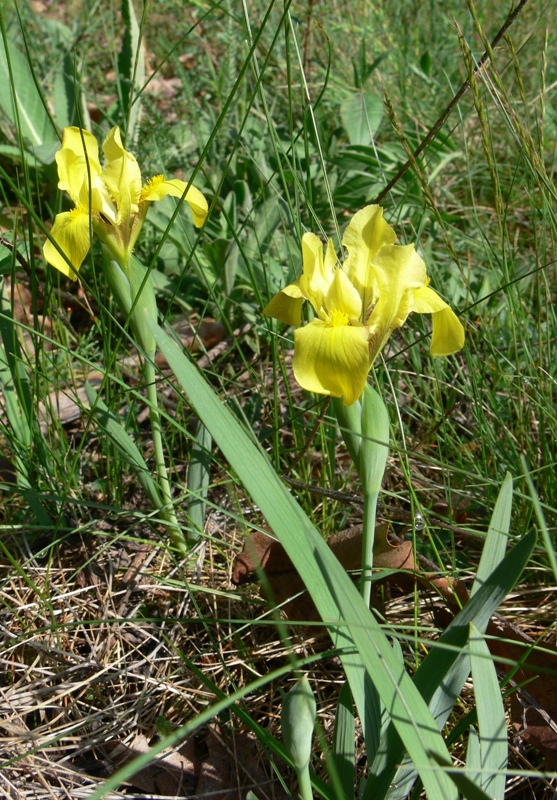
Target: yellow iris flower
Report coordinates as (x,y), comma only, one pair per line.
(358,305)
(111,200)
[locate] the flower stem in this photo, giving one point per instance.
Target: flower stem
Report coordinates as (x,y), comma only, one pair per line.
(304,784)
(175,533)
(368,540)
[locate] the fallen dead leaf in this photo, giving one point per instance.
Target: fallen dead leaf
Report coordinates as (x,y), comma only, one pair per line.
(229,765)
(261,551)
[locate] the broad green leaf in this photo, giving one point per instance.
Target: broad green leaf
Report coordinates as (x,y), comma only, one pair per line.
(473,757)
(199,477)
(492,722)
(342,609)
(125,444)
(41,155)
(131,71)
(497,535)
(361,116)
(20,98)
(69,103)
(344,737)
(466,787)
(14,379)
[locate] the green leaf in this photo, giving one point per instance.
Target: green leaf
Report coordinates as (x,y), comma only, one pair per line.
(199,477)
(131,71)
(442,674)
(125,444)
(492,723)
(14,379)
(70,107)
(367,656)
(343,754)
(473,756)
(468,790)
(497,535)
(361,116)
(20,98)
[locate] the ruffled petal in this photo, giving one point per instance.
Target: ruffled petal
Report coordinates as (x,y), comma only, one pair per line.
(318,272)
(286,305)
(400,272)
(158,187)
(447,331)
(82,144)
(71,232)
(332,360)
(364,237)
(343,300)
(121,175)
(79,172)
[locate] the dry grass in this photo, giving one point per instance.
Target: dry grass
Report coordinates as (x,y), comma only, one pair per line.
(97,633)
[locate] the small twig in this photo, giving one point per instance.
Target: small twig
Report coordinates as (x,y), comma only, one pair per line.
(19,256)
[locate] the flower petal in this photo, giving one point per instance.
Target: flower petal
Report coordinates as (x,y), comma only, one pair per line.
(82,144)
(318,272)
(364,237)
(286,305)
(79,168)
(71,232)
(156,189)
(343,300)
(447,330)
(400,272)
(121,175)
(447,335)
(332,359)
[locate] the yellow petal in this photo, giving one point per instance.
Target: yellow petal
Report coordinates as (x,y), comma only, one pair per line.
(447,335)
(82,143)
(318,272)
(332,360)
(286,306)
(447,330)
(121,175)
(158,187)
(79,172)
(364,237)
(399,272)
(343,300)
(71,232)
(427,301)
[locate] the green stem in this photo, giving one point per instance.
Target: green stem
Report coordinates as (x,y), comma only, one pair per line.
(368,540)
(175,533)
(304,783)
